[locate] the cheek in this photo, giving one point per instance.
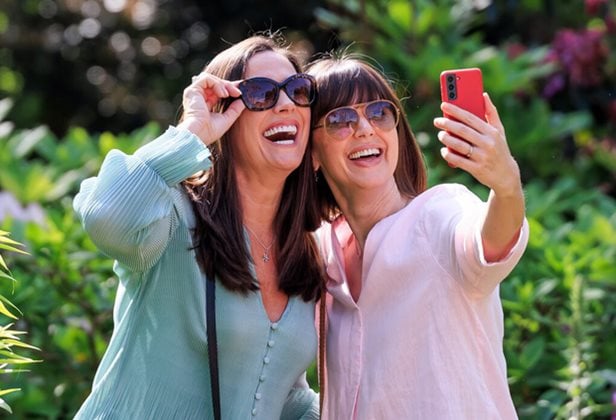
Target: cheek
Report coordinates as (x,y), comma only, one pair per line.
(239,126)
(305,123)
(331,161)
(393,150)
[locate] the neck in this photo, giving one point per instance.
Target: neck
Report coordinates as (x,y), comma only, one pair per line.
(259,199)
(364,208)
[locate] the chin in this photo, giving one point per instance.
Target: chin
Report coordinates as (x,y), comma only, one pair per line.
(286,164)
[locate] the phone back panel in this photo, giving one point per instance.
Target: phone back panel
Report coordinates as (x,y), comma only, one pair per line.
(467,92)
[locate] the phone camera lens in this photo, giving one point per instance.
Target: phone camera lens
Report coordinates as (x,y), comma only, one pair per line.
(452,95)
(450,86)
(450,78)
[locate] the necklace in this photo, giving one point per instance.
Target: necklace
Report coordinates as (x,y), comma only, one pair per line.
(266,249)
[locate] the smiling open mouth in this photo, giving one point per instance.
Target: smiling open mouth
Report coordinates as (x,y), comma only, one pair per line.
(365,154)
(284,134)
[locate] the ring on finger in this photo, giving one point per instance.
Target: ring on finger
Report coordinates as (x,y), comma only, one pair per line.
(470,152)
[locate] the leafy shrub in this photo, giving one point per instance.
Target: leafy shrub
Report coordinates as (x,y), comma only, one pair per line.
(9,338)
(68,295)
(559,302)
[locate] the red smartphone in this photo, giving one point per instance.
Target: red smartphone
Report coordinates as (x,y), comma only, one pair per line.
(464,88)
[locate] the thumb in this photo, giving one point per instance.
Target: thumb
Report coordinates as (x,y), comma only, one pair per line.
(232,113)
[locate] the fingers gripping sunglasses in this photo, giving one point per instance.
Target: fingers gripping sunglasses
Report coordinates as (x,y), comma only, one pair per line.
(342,122)
(261,93)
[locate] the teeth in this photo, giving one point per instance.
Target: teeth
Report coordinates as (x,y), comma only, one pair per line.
(285,142)
(291,129)
(363,153)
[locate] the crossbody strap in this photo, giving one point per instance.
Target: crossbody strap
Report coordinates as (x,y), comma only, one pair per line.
(212,345)
(322,350)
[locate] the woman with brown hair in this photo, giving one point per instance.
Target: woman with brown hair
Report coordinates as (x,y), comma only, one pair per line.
(243,224)
(414,320)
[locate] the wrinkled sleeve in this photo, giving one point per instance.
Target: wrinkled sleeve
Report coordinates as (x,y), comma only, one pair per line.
(481,277)
(455,220)
(128,209)
(302,402)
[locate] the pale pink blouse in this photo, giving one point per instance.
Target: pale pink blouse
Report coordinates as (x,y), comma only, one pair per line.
(424,340)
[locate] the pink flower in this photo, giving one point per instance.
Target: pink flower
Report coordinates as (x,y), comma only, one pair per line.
(555,84)
(610,24)
(515,49)
(593,6)
(11,208)
(581,55)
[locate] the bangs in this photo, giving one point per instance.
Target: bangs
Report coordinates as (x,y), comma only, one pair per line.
(344,85)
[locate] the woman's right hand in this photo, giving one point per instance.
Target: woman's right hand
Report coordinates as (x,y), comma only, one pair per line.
(198,101)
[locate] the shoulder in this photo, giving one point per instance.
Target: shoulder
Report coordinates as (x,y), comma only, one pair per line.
(442,207)
(448,192)
(447,199)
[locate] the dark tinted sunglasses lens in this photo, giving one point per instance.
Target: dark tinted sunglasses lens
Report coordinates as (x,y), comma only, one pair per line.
(382,114)
(300,90)
(258,94)
(341,122)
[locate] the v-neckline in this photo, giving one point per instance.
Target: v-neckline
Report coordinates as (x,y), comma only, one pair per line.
(253,271)
(287,308)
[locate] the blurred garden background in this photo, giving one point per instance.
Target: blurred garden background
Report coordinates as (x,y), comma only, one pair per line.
(80,77)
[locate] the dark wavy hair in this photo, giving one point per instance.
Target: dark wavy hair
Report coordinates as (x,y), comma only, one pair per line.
(219,233)
(347,79)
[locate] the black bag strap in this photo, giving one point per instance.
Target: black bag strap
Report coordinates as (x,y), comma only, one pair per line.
(212,345)
(322,350)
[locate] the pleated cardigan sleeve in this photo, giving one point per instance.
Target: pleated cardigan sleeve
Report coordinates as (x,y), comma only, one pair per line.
(128,209)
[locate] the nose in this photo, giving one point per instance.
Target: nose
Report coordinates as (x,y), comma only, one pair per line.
(364,128)
(284,102)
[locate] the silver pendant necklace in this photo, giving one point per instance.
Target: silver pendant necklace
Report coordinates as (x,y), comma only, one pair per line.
(266,249)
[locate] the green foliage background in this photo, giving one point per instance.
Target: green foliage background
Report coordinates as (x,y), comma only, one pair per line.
(560,301)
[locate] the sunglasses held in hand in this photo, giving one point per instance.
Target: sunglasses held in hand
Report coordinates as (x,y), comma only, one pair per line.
(261,93)
(342,122)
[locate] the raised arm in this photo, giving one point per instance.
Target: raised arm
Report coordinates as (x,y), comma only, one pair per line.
(131,209)
(480,148)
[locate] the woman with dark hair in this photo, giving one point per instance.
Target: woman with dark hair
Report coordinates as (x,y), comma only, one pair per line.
(221,199)
(414,319)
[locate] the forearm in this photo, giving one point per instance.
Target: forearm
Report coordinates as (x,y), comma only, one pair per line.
(502,223)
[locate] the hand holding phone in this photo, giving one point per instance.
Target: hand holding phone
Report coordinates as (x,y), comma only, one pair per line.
(464,88)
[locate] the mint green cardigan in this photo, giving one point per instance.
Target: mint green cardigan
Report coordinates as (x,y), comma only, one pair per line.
(156,364)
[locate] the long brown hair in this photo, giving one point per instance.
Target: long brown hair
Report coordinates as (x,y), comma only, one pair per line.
(347,79)
(219,234)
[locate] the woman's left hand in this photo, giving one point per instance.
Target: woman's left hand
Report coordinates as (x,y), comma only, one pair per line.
(479,147)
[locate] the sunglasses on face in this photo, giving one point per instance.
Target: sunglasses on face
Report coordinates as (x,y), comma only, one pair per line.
(342,122)
(261,93)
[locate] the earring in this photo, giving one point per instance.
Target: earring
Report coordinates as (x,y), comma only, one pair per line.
(316,176)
